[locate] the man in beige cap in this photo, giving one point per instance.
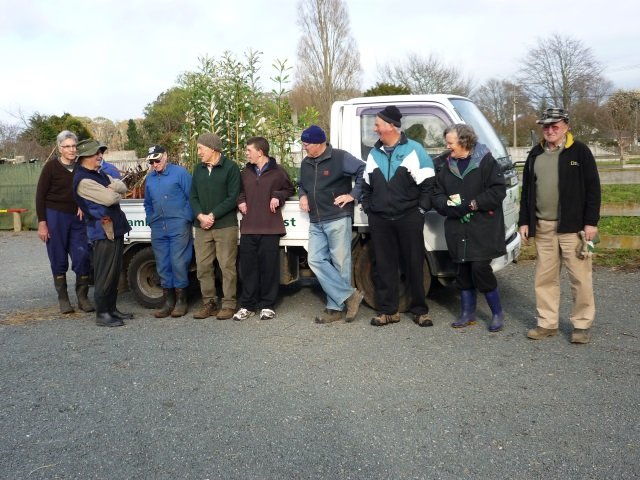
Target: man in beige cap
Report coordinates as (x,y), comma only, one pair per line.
(560,208)
(214,191)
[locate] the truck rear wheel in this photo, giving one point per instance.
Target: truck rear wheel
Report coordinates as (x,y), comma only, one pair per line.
(363,278)
(144,280)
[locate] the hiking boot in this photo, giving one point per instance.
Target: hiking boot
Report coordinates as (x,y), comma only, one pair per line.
(329,316)
(243,314)
(208,309)
(540,332)
(226,314)
(384,319)
(267,314)
(581,335)
(423,320)
(353,304)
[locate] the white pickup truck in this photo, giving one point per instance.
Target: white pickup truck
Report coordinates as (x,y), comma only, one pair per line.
(424,118)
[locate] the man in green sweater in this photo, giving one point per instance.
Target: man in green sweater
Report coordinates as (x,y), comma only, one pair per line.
(214,191)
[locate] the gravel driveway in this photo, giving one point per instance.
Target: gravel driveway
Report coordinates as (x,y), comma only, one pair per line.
(288,399)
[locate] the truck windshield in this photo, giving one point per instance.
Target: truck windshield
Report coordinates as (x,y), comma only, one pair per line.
(471,115)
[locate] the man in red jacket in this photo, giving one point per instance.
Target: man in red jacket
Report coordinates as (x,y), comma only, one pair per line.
(264,188)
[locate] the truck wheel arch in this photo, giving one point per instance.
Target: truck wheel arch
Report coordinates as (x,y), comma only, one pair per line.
(362,262)
(143,278)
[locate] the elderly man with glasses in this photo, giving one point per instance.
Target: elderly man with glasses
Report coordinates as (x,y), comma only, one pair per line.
(168,213)
(560,209)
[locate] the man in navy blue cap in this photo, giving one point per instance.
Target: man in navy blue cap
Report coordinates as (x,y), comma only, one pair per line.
(327,194)
(397,187)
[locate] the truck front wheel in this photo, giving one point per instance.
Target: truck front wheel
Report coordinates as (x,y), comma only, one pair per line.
(363,277)
(144,280)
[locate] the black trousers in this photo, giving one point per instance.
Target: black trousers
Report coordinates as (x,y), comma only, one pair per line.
(476,275)
(398,247)
(259,271)
(107,265)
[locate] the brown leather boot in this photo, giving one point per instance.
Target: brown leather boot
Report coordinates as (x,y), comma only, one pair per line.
(169,302)
(208,309)
(181,303)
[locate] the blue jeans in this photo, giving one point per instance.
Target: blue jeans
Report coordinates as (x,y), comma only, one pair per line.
(330,259)
(172,245)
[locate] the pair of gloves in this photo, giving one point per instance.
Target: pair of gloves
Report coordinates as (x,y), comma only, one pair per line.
(460,210)
(586,247)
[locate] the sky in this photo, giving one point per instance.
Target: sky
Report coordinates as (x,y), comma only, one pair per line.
(110,58)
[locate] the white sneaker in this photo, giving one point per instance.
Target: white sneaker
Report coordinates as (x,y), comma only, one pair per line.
(267,314)
(243,314)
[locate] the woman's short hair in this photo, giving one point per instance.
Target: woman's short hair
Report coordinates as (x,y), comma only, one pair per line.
(66,135)
(467,138)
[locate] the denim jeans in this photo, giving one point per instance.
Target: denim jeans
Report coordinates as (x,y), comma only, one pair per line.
(173,248)
(330,259)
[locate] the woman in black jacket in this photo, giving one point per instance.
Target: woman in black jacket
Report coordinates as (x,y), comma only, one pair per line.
(469,191)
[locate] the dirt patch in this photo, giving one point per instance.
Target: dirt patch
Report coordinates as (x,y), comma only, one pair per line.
(21,317)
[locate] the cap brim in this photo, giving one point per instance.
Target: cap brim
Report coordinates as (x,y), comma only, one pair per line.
(549,121)
(154,156)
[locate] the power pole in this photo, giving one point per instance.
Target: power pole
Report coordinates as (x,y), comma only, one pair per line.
(515,138)
(635,132)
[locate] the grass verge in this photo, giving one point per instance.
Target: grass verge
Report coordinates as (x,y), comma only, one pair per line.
(615,258)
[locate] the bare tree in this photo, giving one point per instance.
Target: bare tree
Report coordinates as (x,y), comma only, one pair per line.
(620,116)
(561,71)
(425,75)
(328,57)
(501,101)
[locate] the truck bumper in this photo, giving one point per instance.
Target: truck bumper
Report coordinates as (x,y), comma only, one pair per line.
(513,251)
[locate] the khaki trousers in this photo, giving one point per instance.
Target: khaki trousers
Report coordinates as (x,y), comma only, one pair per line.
(553,250)
(220,244)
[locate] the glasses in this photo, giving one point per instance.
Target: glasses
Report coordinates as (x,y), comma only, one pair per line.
(68,146)
(553,127)
(156,160)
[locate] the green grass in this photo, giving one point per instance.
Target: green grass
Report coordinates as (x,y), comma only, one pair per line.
(619,226)
(621,194)
(616,258)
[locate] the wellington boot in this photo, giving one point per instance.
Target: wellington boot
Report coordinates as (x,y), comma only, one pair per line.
(106,320)
(497,319)
(468,301)
(82,289)
(169,302)
(60,282)
(181,303)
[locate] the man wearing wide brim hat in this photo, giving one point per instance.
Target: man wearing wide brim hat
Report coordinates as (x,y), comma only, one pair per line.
(98,196)
(560,205)
(105,166)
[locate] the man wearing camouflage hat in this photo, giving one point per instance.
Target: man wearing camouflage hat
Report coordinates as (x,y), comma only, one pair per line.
(559,207)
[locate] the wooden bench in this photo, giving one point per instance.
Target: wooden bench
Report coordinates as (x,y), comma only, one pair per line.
(17,220)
